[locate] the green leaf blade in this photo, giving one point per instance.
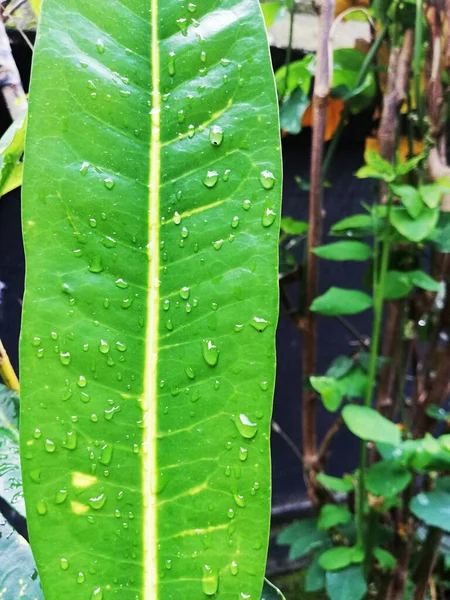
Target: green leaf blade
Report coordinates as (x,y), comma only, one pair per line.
(339,301)
(146,352)
(345,250)
(367,424)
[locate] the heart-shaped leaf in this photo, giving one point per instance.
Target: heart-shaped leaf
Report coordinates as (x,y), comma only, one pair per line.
(151,203)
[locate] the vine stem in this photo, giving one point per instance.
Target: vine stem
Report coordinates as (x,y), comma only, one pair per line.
(379,284)
(417,62)
(289,49)
(6,370)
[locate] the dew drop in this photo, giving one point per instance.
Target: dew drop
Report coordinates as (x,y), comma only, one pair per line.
(211,178)
(166,305)
(185,293)
(50,446)
(210,352)
(103,347)
(64,564)
(264,385)
(84,168)
(239,500)
(217,245)
(96,265)
(65,359)
(122,284)
(61,496)
(81,381)
(246,428)
(98,501)
(259,324)
(176,218)
(190,372)
(169,324)
(247,204)
(243,453)
(210,580)
(216,135)
(238,327)
(109,183)
(109,242)
(80,577)
(234,568)
(97,594)
(183,26)
(267,180)
(171,64)
(41,508)
(269,216)
(100,46)
(226,175)
(234,222)
(106,454)
(192,7)
(71,440)
(120,347)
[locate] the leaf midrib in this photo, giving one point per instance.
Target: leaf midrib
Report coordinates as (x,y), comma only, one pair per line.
(151,345)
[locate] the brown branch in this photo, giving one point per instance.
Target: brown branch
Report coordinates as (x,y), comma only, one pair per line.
(309,326)
(397,583)
(327,440)
(397,86)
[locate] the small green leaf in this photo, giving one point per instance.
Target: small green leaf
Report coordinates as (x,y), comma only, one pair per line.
(336,558)
(347,64)
(362,225)
(315,576)
(292,110)
(340,367)
(345,250)
(329,390)
(332,515)
(302,537)
(385,559)
(270,592)
(300,75)
(409,165)
(438,413)
(431,194)
(414,230)
(410,198)
(354,383)
(11,150)
(386,478)
(346,584)
(376,167)
(367,424)
(433,509)
(335,483)
(293,227)
(424,281)
(270,11)
(357,554)
(339,301)
(397,285)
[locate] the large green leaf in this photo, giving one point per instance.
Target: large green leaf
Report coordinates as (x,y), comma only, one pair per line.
(10,475)
(151,199)
(18,575)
